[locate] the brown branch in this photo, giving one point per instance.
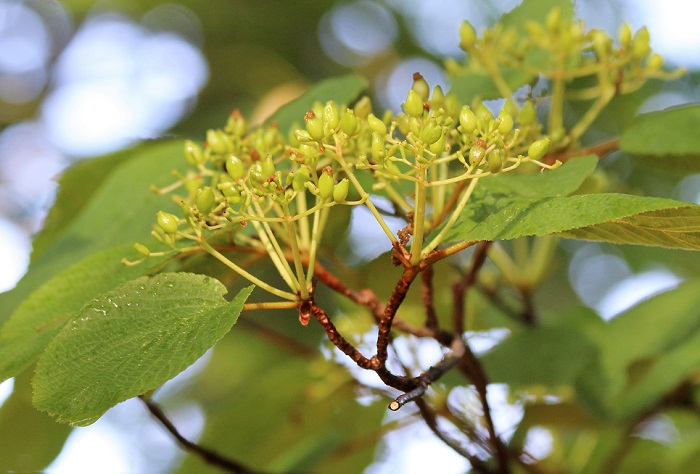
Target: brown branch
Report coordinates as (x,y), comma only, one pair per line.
(460,288)
(601,150)
(470,366)
(206,455)
(431,420)
(431,320)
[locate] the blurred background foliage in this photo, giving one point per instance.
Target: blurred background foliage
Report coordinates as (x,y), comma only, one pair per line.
(82,78)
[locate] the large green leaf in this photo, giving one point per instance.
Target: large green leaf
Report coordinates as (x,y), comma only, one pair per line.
(617,218)
(672,131)
(122,210)
(41,316)
(646,352)
(341,89)
(131,340)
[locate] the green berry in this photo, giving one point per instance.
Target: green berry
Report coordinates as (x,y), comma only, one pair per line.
(467,36)
(538,149)
(437,100)
(376,125)
(331,115)
(205,200)
(314,125)
(378,148)
(216,141)
(655,62)
(349,123)
(167,222)
(413,105)
(467,120)
(234,167)
(421,87)
(325,185)
(363,107)
(476,154)
(301,176)
(193,153)
(267,167)
(142,249)
(431,133)
(505,124)
(341,189)
(640,43)
(495,160)
(624,33)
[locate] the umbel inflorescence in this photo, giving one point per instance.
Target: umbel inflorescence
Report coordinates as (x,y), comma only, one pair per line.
(271,190)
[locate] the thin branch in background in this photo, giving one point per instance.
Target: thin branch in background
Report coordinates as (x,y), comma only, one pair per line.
(206,455)
(431,420)
(431,320)
(470,366)
(528,314)
(460,288)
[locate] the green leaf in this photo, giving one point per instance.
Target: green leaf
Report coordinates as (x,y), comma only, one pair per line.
(121,211)
(646,353)
(41,316)
(674,228)
(470,86)
(624,216)
(673,131)
(343,90)
(131,340)
(555,355)
(536,10)
(29,440)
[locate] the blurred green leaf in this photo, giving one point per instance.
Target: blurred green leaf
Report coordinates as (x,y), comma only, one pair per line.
(536,10)
(131,340)
(121,211)
(41,316)
(29,440)
(342,90)
(671,131)
(646,352)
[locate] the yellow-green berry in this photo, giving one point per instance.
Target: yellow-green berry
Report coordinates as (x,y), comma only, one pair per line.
(325,185)
(467,36)
(205,200)
(467,120)
(538,148)
(314,125)
(167,222)
(421,87)
(341,189)
(495,160)
(476,154)
(376,124)
(331,115)
(413,105)
(193,153)
(234,167)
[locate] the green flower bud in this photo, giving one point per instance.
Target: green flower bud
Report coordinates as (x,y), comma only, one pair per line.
(230,191)
(193,153)
(205,200)
(331,115)
(234,167)
(421,87)
(467,36)
(640,43)
(431,133)
(467,120)
(267,167)
(538,149)
(602,45)
(553,20)
(314,125)
(167,222)
(216,141)
(439,146)
(437,100)
(376,125)
(484,113)
(236,124)
(413,105)
(378,148)
(340,191)
(505,120)
(301,176)
(256,173)
(349,123)
(528,114)
(142,249)
(476,154)
(363,107)
(495,160)
(624,33)
(655,62)
(325,185)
